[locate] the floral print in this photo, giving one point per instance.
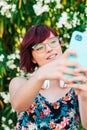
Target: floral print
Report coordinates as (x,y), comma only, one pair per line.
(43,115)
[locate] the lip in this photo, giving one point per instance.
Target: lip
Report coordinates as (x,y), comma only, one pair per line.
(52,56)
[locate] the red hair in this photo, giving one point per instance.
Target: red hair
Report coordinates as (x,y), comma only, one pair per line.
(34,35)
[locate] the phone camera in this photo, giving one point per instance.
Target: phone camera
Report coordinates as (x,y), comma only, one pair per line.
(78,37)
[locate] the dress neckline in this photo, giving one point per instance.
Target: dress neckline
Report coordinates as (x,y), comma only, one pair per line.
(61,98)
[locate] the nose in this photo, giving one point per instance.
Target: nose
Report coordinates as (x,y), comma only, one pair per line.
(48,48)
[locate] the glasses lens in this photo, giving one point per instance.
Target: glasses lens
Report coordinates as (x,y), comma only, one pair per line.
(39,47)
(53,42)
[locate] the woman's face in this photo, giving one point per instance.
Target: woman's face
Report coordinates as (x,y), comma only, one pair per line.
(47,51)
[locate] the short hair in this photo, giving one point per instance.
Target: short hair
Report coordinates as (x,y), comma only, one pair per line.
(34,35)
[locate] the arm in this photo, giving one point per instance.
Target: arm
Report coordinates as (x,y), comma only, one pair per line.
(23,92)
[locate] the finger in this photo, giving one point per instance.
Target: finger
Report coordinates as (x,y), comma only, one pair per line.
(72,63)
(68,70)
(82,70)
(78,79)
(68,52)
(76,86)
(69,63)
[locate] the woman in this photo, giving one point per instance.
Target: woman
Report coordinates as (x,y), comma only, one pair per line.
(41,100)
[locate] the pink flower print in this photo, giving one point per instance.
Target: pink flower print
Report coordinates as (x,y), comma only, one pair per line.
(45,112)
(63,124)
(65,121)
(66,98)
(17,125)
(52,124)
(41,114)
(44,104)
(77,118)
(32,108)
(23,128)
(64,102)
(58,127)
(56,105)
(20,115)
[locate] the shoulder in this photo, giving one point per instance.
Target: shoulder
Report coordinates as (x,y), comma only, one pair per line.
(16,83)
(17,80)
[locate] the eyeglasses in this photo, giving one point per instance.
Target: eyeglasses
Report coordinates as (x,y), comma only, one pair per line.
(41,47)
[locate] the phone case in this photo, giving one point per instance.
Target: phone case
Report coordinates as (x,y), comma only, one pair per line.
(78,43)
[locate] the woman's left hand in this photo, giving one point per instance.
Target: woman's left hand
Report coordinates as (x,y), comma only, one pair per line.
(79,82)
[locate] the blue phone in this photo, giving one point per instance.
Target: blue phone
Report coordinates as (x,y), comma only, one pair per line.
(78,43)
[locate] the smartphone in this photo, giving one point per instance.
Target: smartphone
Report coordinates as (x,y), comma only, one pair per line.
(78,43)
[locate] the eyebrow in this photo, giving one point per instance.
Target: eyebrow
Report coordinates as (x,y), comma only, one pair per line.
(48,39)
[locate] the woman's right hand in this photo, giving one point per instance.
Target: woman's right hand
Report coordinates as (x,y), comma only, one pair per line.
(59,67)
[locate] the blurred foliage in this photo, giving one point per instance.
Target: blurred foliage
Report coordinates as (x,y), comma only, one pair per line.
(16,16)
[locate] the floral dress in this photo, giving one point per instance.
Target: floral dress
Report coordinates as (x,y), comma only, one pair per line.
(43,115)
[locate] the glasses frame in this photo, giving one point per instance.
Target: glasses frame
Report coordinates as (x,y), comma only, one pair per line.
(40,51)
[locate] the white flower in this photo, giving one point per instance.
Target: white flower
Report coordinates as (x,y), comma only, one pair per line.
(11,56)
(86,10)
(64,15)
(10,121)
(75,20)
(6,9)
(45,8)
(5,127)
(53,0)
(17,54)
(85,30)
(11,64)
(58,5)
(14,56)
(68,26)
(66,35)
(2,3)
(20,72)
(39,0)
(5,96)
(63,21)
(8,14)
(3,118)
(21,39)
(1,57)
(39,9)
(59,24)
(50,1)
(17,51)
(13,110)
(13,7)
(47,1)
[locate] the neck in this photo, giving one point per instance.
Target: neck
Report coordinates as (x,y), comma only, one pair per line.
(52,83)
(55,83)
